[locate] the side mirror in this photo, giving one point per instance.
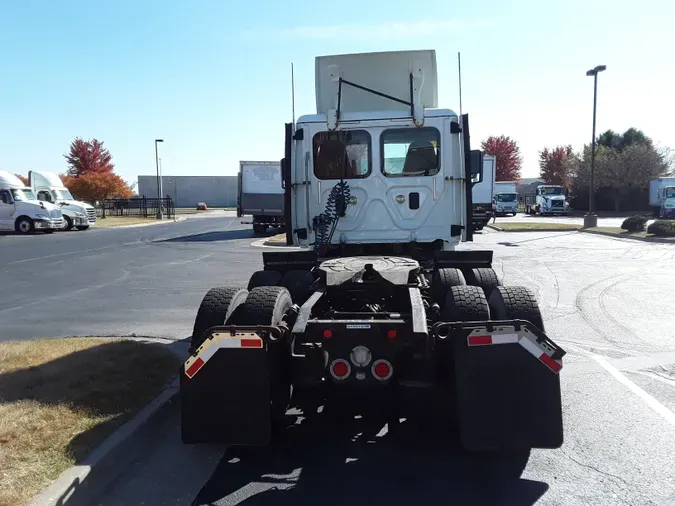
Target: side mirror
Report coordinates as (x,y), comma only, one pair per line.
(476,161)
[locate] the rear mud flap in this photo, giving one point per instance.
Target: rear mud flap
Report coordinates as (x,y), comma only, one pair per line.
(506,398)
(228,400)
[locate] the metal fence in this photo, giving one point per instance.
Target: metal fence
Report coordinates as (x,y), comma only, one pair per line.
(142,207)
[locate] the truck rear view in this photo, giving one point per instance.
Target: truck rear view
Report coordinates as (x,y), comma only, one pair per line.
(378,313)
(260,195)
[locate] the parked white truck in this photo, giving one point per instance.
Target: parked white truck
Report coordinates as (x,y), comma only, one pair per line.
(260,194)
(550,199)
(48,187)
(662,197)
(482,194)
(22,212)
(506,198)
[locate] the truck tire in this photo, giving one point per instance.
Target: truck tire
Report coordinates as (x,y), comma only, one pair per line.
(264,278)
(49,230)
(259,229)
(484,277)
(465,303)
(442,281)
(266,305)
(216,308)
(515,303)
(68,223)
(83,227)
(24,225)
(299,284)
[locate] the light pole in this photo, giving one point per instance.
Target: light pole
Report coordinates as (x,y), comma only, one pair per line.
(159,184)
(591,219)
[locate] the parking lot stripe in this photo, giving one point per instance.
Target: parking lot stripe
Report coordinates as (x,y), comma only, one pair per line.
(649,400)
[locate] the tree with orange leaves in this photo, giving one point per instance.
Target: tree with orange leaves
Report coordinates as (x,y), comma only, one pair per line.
(90,173)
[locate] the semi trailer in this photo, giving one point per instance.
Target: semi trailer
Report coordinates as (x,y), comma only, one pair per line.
(260,195)
(482,194)
(375,303)
(662,197)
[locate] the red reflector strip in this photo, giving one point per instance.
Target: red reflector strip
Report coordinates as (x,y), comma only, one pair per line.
(251,343)
(480,340)
(552,364)
(196,365)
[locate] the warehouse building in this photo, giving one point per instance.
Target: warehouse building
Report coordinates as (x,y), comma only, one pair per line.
(187,191)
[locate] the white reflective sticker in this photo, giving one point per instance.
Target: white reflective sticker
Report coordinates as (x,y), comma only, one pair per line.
(352,326)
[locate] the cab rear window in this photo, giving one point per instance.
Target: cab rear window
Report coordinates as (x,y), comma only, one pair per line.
(342,154)
(411,152)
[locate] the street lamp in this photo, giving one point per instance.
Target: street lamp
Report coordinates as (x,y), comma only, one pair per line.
(591,219)
(159,187)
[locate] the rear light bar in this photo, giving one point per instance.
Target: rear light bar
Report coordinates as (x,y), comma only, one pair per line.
(215,342)
(543,350)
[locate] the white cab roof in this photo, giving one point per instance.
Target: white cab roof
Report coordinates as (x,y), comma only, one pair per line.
(8,180)
(44,179)
(386,72)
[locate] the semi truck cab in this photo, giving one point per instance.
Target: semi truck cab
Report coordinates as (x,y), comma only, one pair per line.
(49,188)
(22,212)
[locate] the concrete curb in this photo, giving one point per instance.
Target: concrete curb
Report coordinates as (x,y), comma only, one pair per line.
(112,452)
(499,229)
(632,238)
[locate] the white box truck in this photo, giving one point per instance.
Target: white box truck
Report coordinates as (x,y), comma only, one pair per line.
(22,212)
(260,195)
(506,198)
(48,187)
(482,193)
(662,197)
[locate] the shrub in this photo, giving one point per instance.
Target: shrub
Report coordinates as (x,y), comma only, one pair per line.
(662,228)
(634,224)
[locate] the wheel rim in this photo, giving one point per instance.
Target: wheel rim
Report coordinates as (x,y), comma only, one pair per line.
(24,226)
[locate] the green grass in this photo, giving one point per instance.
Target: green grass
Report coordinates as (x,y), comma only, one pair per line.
(120,221)
(533,227)
(60,398)
(277,239)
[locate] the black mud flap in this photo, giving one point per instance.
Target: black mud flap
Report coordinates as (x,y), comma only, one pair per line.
(228,399)
(506,398)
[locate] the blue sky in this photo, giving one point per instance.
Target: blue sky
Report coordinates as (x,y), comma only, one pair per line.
(213,77)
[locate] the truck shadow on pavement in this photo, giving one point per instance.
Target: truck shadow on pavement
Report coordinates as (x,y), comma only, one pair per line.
(224,235)
(321,463)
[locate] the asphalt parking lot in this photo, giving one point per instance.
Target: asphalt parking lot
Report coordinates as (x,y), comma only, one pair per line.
(607,301)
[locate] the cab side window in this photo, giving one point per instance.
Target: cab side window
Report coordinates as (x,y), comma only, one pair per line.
(4,197)
(411,152)
(44,196)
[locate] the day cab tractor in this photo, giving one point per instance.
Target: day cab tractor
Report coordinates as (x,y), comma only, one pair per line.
(373,301)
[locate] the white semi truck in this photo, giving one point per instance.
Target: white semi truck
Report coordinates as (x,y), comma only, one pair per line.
(483,192)
(22,212)
(662,197)
(48,187)
(260,194)
(375,311)
(550,199)
(506,198)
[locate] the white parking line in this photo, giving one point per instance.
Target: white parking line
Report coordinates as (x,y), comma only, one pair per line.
(649,400)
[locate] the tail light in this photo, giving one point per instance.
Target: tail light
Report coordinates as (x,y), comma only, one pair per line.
(340,369)
(382,369)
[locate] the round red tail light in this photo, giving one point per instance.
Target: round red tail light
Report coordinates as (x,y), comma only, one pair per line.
(382,369)
(340,369)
